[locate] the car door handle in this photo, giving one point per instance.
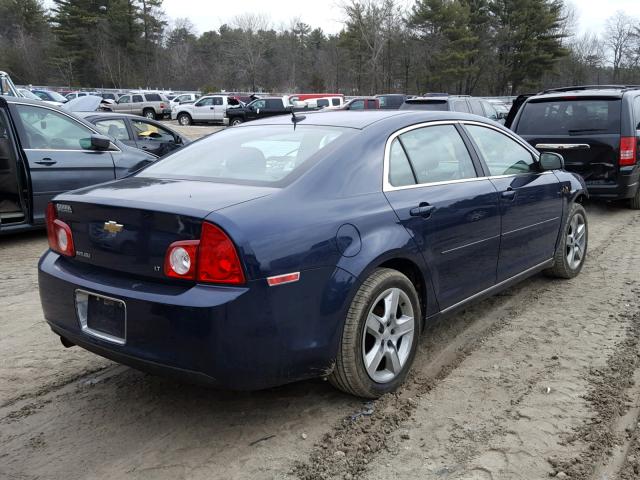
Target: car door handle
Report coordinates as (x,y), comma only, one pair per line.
(423,210)
(508,194)
(46,161)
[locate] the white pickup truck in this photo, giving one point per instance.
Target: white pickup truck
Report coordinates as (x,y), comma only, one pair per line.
(207,109)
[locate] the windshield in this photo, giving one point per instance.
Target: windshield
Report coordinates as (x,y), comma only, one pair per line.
(264,155)
(28,94)
(570,117)
(56,96)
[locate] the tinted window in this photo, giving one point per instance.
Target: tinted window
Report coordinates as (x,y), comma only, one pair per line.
(217,101)
(371,104)
(460,106)
(50,130)
(503,155)
(570,117)
(274,104)
(153,97)
(437,154)
(137,99)
(323,102)
(264,155)
(115,128)
(335,102)
(357,105)
(432,105)
(400,173)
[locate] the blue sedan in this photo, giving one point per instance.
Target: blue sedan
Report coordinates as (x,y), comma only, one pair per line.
(312,246)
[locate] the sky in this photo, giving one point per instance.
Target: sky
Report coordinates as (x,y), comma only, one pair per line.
(210,14)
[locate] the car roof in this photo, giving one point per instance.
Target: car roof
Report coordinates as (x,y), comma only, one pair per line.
(614,91)
(363,119)
(24,100)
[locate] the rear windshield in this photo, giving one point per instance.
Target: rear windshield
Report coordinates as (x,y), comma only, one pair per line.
(570,117)
(432,105)
(266,155)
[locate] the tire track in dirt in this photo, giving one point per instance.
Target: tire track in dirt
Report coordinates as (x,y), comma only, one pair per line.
(348,450)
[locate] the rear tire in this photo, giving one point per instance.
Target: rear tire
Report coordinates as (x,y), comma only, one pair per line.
(149,113)
(572,249)
(634,203)
(378,343)
(184,119)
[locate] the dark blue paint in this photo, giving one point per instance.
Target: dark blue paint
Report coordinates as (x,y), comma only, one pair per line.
(334,224)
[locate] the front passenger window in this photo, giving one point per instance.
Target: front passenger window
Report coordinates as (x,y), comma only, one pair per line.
(49,130)
(503,155)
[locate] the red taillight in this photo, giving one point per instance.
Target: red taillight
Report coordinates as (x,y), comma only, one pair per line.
(218,260)
(162,105)
(212,259)
(180,260)
(628,151)
(59,233)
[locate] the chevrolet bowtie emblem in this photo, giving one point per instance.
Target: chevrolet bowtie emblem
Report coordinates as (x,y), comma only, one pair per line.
(112,227)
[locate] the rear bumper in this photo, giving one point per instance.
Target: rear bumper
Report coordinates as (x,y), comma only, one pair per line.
(243,338)
(626,187)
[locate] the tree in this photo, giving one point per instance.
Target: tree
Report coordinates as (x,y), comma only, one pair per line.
(528,41)
(617,36)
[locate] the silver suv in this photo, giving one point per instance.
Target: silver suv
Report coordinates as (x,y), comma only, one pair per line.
(150,105)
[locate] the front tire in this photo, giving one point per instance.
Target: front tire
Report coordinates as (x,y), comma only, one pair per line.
(184,119)
(236,121)
(572,249)
(380,336)
(149,113)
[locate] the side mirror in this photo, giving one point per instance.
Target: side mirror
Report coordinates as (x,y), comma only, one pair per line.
(551,161)
(99,142)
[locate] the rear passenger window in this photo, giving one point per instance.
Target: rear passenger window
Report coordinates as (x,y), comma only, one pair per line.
(137,98)
(459,106)
(503,155)
(437,154)
(335,102)
(153,97)
(400,173)
(217,101)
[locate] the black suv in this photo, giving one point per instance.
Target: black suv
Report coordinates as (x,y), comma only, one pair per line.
(595,128)
(453,103)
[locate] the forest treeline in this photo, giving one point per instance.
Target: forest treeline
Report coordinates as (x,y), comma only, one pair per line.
(480,47)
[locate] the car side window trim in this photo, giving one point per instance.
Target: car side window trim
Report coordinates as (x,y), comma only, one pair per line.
(387,187)
(386,184)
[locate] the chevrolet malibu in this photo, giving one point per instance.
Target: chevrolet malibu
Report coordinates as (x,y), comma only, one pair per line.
(312,246)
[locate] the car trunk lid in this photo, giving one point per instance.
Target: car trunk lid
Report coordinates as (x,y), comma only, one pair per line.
(127,226)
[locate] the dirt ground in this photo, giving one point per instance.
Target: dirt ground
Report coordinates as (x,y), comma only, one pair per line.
(540,381)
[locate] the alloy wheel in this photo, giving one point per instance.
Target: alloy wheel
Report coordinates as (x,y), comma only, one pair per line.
(576,241)
(388,335)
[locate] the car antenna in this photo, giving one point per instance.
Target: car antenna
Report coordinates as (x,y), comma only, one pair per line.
(295,119)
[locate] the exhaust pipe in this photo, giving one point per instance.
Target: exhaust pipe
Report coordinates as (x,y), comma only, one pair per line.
(66,343)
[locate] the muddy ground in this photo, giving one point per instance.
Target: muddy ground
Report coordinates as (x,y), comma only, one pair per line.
(542,380)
